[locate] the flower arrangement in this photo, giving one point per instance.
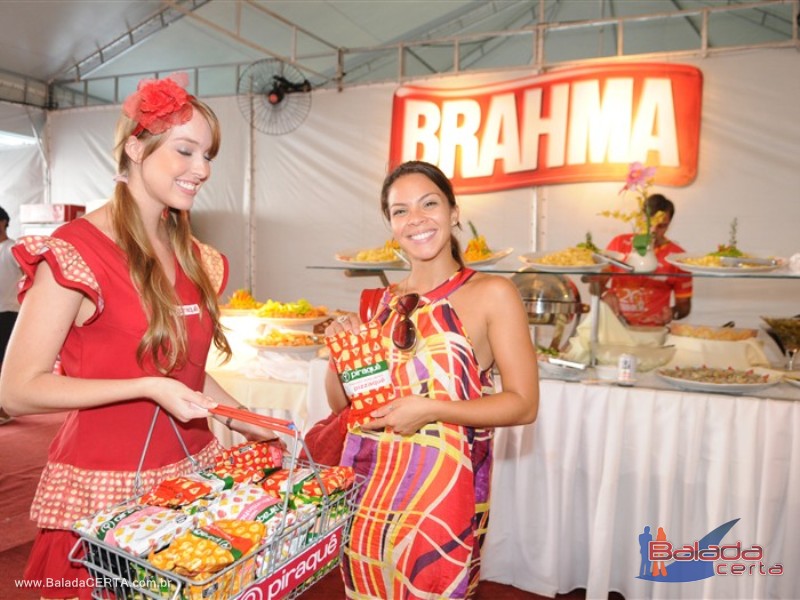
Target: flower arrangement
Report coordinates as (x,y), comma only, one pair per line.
(159,104)
(639,181)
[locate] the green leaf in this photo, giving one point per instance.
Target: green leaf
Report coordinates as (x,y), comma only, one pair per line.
(640,243)
(474,231)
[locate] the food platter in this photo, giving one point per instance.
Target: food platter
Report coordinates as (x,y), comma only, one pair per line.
(691,385)
(533,258)
(493,258)
(348,257)
(308,349)
(293,321)
(678,260)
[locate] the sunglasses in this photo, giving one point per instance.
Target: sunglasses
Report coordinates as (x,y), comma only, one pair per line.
(404,334)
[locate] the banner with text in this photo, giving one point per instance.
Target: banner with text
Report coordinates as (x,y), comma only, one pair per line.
(573,125)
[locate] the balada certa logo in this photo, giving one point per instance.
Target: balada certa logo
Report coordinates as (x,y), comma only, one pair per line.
(667,562)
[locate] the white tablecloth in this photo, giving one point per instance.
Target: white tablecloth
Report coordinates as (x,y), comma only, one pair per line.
(572,492)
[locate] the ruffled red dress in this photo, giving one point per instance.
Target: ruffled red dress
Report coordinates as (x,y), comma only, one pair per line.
(94,457)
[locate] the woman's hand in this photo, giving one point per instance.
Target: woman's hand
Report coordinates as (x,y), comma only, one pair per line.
(253,433)
(178,399)
(405,415)
(344,322)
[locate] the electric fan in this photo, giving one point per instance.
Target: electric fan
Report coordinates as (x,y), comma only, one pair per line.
(273,96)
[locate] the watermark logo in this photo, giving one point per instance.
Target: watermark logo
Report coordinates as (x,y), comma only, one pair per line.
(666,562)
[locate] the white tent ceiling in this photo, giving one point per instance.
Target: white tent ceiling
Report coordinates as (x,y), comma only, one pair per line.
(99,48)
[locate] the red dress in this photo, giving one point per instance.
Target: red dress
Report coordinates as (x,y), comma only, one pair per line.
(94,457)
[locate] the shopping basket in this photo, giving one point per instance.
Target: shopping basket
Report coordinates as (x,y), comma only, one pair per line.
(289,562)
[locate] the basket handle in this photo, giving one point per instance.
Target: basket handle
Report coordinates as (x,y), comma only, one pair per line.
(246,416)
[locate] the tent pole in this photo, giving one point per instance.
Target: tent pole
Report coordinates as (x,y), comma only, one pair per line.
(250,276)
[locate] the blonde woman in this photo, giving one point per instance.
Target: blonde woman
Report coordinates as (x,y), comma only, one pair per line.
(126,300)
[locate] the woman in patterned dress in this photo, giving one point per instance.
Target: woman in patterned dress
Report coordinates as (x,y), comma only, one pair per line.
(426,455)
(126,299)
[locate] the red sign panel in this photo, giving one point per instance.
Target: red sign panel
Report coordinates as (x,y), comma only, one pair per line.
(583,124)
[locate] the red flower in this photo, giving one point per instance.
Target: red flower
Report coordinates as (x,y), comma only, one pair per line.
(159,104)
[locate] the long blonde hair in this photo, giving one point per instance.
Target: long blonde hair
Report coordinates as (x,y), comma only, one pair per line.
(165,340)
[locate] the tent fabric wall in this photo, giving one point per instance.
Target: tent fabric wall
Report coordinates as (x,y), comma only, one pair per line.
(317,188)
(22,169)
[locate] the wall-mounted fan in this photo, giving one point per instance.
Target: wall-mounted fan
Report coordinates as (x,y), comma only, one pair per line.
(274,96)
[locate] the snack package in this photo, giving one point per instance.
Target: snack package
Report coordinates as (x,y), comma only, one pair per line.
(278,483)
(240,502)
(360,361)
(179,491)
(297,530)
(136,528)
(335,479)
(249,462)
(201,552)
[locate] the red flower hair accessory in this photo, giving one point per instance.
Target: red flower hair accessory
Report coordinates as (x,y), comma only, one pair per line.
(159,104)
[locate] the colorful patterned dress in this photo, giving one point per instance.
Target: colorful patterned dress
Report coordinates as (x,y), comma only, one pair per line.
(95,455)
(423,512)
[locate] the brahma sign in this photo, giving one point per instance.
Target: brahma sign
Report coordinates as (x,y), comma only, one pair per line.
(584,124)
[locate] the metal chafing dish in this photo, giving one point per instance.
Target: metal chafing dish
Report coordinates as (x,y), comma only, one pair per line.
(553,304)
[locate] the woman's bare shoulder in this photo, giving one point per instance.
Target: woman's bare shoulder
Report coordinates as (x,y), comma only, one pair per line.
(490,283)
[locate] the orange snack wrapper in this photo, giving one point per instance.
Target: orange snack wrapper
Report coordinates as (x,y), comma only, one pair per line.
(179,491)
(334,479)
(360,361)
(249,462)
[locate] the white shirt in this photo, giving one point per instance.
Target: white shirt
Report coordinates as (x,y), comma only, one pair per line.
(9,277)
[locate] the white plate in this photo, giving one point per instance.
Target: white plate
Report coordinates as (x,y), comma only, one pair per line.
(493,258)
(294,321)
(717,388)
(792,381)
(238,312)
(531,258)
(347,257)
(677,261)
(312,349)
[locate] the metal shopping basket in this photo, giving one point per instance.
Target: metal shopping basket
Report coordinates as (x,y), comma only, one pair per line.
(285,565)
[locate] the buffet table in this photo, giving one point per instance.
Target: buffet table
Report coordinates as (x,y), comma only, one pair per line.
(573,491)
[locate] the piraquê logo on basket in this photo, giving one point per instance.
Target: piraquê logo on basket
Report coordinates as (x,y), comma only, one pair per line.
(665,561)
(298,569)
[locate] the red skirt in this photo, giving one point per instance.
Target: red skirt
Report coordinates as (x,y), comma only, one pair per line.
(49,564)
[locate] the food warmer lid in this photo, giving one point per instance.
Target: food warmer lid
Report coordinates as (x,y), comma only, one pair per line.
(546,293)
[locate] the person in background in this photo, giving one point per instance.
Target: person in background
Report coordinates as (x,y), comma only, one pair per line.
(9,306)
(427,455)
(126,298)
(648,301)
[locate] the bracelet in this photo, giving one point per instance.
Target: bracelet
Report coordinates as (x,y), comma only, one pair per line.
(230,419)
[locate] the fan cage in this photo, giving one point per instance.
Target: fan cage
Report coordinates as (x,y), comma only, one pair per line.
(286,110)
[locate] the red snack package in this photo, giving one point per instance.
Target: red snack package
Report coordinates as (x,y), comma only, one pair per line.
(277,483)
(360,361)
(250,461)
(333,478)
(179,491)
